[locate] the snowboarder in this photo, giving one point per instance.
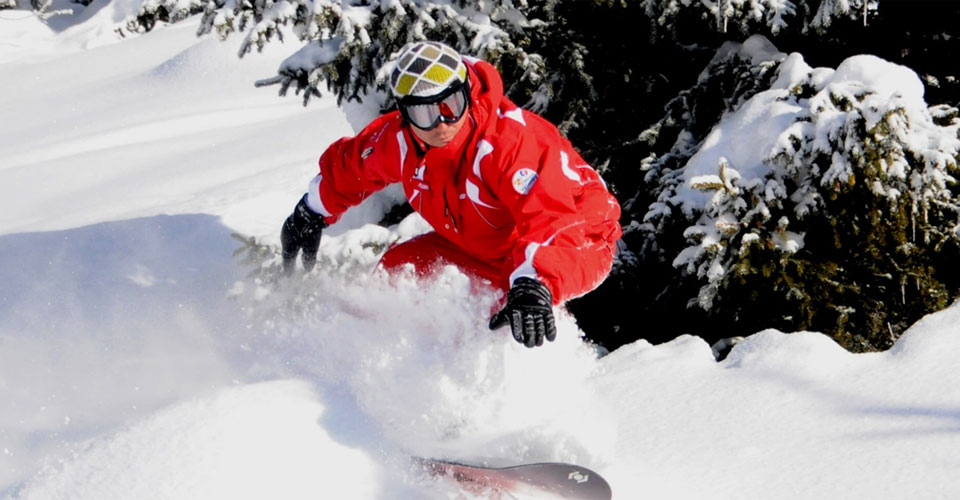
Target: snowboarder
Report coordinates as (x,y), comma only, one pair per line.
(509,199)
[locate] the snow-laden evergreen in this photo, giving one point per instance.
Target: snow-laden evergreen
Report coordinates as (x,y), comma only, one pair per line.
(774,15)
(349,44)
(856,143)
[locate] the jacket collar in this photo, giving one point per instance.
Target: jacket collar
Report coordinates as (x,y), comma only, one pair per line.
(486,91)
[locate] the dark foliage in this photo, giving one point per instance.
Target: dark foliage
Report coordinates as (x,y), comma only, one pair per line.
(646,298)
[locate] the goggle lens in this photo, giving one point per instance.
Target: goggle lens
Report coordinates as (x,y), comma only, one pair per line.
(428,116)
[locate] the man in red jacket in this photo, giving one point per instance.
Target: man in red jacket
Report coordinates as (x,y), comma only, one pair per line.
(509,199)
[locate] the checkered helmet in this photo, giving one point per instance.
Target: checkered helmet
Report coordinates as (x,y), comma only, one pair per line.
(425,69)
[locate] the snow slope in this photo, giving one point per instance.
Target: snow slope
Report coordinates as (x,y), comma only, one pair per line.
(139,359)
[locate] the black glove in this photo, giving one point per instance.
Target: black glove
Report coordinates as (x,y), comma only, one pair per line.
(301,231)
(529,311)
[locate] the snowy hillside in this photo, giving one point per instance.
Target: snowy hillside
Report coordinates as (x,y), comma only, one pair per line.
(138,358)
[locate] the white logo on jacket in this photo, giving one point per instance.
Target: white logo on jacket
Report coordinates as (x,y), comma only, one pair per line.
(523,180)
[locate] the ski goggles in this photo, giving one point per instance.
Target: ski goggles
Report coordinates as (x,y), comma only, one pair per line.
(428,113)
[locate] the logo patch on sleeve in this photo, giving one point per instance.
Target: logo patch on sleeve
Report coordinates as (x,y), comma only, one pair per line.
(524,180)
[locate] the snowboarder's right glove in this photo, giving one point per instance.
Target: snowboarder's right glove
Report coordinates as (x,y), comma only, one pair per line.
(301,231)
(529,312)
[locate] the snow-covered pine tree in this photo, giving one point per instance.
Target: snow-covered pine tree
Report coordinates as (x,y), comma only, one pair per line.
(846,221)
(644,275)
(165,11)
(349,44)
(770,16)
(41,8)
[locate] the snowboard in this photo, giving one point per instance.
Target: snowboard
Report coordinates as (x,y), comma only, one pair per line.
(538,480)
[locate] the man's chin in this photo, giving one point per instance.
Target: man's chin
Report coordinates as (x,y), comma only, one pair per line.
(442,141)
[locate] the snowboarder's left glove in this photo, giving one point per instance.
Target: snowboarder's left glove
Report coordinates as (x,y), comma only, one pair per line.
(529,311)
(301,231)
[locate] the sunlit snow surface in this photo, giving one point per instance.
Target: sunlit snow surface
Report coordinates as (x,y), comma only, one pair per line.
(139,358)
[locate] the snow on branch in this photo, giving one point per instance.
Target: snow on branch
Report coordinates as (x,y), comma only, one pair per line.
(774,15)
(349,44)
(168,11)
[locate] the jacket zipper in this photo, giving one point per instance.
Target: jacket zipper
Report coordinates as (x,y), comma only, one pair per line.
(448,214)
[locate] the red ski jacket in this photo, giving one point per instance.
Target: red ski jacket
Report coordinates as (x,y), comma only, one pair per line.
(509,189)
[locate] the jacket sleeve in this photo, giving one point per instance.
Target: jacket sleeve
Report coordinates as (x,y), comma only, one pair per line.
(567,222)
(353,168)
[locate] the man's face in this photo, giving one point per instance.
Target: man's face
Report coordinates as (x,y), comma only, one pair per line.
(442,134)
